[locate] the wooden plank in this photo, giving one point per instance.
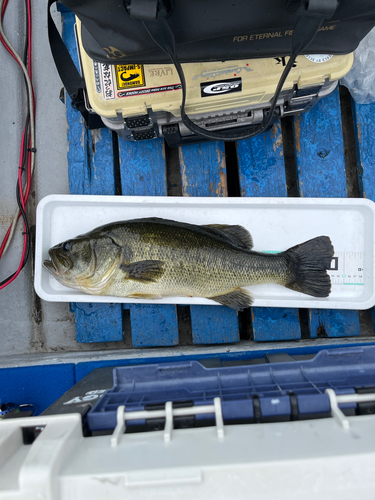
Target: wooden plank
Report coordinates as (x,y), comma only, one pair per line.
(90,159)
(261,164)
(143,173)
(153,325)
(97,322)
(203,173)
(365,147)
(142,166)
(262,173)
(364,124)
(321,173)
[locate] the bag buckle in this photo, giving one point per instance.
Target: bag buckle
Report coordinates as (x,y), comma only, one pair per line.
(148,10)
(313,8)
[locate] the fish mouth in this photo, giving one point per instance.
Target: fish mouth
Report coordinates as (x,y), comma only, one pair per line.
(50,266)
(58,265)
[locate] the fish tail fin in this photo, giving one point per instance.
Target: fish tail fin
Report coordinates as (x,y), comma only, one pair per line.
(308,263)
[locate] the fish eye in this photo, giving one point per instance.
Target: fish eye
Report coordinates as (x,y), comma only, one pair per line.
(67,246)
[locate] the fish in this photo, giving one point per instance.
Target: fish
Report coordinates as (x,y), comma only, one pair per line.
(150,258)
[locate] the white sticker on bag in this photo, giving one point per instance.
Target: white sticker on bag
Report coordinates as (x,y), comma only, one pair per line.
(319,58)
(98,85)
(108,84)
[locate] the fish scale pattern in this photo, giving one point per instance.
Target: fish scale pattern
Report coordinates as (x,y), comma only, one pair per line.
(151,258)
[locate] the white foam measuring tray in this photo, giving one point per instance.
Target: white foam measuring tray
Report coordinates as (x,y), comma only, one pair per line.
(275,224)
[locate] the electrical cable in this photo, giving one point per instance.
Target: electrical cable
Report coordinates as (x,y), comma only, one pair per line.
(31,103)
(27,72)
(23,159)
(27,154)
(21,205)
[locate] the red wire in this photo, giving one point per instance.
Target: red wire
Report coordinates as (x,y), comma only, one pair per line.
(3,9)
(5,240)
(20,166)
(21,193)
(24,240)
(12,54)
(33,97)
(1,38)
(23,199)
(24,226)
(23,206)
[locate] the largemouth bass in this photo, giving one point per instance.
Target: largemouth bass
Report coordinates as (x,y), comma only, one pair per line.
(151,258)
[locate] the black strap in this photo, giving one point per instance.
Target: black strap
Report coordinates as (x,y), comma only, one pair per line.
(311,15)
(72,80)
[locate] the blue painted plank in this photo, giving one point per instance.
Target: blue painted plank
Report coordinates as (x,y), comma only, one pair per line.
(203,169)
(142,167)
(153,325)
(333,323)
(143,173)
(261,164)
(262,173)
(214,325)
(275,324)
(203,173)
(364,122)
(320,150)
(90,155)
(91,171)
(321,173)
(37,385)
(97,322)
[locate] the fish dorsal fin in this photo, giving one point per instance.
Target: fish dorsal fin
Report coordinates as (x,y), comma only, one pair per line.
(145,271)
(237,235)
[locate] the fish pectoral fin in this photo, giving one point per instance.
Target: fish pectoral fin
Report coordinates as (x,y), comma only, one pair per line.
(145,271)
(237,235)
(148,296)
(239,299)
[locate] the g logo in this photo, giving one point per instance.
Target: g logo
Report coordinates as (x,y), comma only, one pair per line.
(221,87)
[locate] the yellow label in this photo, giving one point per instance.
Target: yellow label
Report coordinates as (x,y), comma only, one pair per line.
(129,76)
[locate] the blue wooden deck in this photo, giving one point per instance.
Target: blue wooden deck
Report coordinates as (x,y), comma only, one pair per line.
(99,163)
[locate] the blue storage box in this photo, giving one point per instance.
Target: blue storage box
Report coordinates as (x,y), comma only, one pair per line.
(249,393)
